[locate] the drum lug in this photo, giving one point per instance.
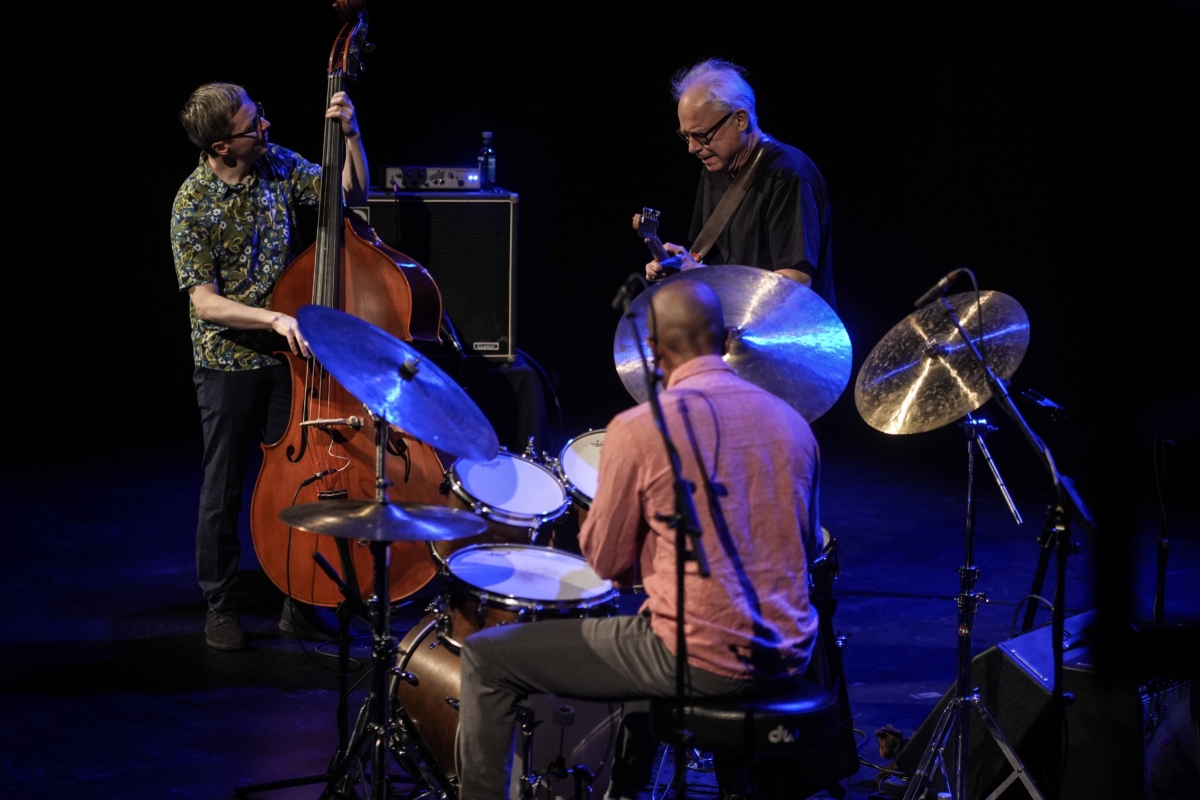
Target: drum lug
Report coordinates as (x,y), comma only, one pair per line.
(481,611)
(405,676)
(452,702)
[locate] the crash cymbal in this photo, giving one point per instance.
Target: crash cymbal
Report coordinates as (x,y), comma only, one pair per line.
(787,339)
(398,383)
(384,522)
(922,375)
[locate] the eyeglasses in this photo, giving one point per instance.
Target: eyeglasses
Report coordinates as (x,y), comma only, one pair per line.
(255,129)
(703,139)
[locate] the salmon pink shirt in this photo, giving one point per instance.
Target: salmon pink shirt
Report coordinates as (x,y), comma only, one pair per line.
(752,618)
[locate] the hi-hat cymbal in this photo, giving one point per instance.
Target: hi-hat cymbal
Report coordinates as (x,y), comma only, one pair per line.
(787,340)
(922,375)
(384,522)
(398,383)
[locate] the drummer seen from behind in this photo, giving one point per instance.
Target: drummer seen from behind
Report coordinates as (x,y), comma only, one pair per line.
(750,626)
(783,223)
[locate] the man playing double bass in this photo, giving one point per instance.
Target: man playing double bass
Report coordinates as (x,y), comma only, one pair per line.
(233,230)
(783,221)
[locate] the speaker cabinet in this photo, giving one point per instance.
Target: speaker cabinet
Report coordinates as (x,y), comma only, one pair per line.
(468,242)
(1123,741)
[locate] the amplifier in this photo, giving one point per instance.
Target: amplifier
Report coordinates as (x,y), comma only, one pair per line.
(1125,740)
(468,242)
(418,179)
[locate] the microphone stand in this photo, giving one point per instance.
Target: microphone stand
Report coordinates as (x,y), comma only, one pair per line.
(686,525)
(1069,505)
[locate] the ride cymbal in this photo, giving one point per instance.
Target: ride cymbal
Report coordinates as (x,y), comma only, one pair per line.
(787,340)
(922,375)
(384,522)
(398,383)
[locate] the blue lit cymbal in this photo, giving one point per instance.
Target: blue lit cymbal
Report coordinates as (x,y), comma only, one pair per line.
(922,375)
(787,340)
(398,383)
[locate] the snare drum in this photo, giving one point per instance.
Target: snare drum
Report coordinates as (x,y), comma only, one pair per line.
(516,496)
(495,584)
(579,469)
(428,683)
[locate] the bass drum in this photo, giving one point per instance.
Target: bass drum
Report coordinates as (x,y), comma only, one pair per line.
(579,731)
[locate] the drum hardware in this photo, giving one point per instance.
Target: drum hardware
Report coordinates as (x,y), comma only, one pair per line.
(390,379)
(531,781)
(925,373)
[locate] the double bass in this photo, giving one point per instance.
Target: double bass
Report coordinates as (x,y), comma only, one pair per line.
(328,449)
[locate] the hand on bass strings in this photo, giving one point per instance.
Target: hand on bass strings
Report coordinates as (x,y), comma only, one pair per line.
(680,259)
(288,328)
(340,108)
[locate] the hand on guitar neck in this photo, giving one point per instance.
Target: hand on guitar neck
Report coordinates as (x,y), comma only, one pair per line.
(668,258)
(671,258)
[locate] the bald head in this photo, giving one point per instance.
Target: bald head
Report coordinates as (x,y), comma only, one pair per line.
(688,323)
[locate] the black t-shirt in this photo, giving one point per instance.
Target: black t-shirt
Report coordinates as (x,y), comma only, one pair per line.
(783,222)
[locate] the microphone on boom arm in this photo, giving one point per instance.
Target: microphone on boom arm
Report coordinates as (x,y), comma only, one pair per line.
(633,285)
(938,288)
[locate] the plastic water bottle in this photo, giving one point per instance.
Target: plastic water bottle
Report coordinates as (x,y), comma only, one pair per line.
(487,163)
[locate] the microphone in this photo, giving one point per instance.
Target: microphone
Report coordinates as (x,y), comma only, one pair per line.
(938,288)
(634,285)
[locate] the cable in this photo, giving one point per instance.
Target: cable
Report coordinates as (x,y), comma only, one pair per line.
(1012,631)
(553,392)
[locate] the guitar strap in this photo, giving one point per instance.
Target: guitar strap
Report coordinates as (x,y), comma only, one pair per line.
(728,206)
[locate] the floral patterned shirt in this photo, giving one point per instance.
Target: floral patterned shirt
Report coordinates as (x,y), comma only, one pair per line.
(240,238)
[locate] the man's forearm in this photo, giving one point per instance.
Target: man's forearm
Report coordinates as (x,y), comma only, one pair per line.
(219,310)
(354,172)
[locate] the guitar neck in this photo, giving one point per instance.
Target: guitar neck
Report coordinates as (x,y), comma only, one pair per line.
(656,249)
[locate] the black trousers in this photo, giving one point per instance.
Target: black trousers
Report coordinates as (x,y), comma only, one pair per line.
(238,410)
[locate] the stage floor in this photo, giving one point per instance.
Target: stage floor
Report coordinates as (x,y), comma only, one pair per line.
(110,691)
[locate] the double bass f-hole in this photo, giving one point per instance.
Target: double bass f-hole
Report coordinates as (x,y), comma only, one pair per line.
(396,446)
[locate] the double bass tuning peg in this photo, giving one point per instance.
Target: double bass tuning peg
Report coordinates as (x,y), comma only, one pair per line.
(369,47)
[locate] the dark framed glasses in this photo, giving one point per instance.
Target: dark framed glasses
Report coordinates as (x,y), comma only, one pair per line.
(703,139)
(255,127)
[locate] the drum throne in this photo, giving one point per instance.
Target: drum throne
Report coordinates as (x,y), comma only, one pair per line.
(784,746)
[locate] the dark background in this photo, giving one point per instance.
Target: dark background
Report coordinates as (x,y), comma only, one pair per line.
(1049,148)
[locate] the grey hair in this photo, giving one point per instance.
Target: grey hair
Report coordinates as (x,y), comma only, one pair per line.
(725,82)
(210,111)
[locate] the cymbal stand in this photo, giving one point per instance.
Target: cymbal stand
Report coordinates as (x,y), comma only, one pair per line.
(372,740)
(1069,506)
(954,725)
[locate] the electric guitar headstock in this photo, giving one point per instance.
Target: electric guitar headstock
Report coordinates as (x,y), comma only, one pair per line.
(646,225)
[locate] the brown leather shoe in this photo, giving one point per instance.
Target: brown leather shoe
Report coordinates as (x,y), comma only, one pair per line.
(223,631)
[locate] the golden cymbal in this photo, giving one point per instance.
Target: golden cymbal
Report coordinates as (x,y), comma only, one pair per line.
(922,375)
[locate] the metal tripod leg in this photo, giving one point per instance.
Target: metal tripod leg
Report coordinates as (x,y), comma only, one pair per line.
(1019,772)
(935,751)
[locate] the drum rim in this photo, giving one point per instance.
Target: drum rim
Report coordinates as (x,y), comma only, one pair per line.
(514,602)
(510,518)
(574,491)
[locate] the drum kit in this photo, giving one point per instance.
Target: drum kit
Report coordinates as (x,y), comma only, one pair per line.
(489,537)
